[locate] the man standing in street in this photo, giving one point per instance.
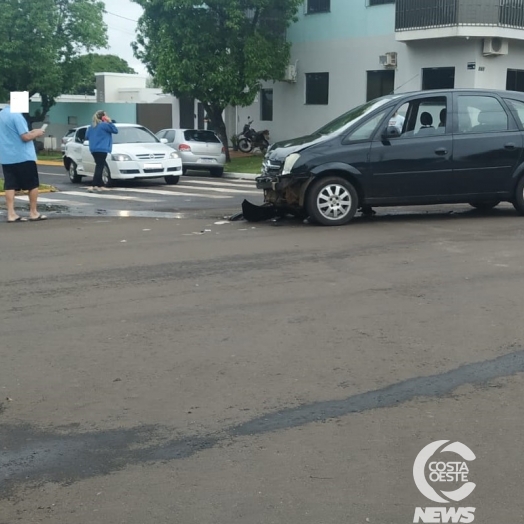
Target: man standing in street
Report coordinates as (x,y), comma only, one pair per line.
(18,159)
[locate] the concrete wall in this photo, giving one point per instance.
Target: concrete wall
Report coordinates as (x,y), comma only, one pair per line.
(109,84)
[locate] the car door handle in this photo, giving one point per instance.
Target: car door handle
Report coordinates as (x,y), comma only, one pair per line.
(509,146)
(441,151)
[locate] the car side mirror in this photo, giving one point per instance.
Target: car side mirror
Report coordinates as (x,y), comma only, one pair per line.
(85,142)
(163,140)
(391,132)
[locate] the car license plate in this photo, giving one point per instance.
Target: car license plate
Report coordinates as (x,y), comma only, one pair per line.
(152,166)
(207,160)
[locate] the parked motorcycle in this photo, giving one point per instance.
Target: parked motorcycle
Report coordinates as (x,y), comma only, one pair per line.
(251,139)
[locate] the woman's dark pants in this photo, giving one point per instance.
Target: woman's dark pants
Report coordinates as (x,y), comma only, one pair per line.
(100,163)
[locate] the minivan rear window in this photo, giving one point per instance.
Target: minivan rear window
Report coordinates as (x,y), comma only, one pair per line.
(199,135)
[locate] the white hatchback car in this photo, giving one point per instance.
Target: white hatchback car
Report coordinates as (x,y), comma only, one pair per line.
(137,154)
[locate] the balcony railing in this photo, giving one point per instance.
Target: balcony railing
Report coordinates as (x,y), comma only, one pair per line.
(426,14)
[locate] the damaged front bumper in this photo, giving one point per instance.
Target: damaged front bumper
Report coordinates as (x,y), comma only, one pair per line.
(285,192)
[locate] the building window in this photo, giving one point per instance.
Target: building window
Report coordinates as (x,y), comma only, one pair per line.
(438,78)
(317,88)
(515,80)
(318,6)
(266,104)
(381,2)
(380,83)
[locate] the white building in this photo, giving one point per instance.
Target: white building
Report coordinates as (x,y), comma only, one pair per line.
(345,52)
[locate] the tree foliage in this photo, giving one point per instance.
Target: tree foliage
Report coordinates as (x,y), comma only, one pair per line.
(217,51)
(83,69)
(40,40)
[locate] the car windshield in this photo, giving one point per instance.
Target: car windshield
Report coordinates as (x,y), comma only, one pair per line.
(134,135)
(353,115)
(198,135)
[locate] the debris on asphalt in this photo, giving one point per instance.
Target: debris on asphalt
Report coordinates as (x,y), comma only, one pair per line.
(122,241)
(221,222)
(236,217)
(253,213)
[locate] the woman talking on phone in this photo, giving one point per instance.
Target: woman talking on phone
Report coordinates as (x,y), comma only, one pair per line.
(100,144)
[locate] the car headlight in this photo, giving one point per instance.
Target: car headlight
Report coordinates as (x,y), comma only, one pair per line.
(120,158)
(174,154)
(291,160)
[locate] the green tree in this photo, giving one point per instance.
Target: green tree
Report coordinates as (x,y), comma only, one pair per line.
(84,67)
(40,39)
(217,51)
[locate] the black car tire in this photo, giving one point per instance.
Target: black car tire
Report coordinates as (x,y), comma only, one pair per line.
(485,205)
(245,145)
(217,172)
(518,202)
(106,177)
(172,180)
(74,177)
(332,201)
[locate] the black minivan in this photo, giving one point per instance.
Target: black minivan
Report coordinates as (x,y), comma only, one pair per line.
(426,147)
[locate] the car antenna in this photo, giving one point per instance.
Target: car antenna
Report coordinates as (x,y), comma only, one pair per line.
(397,88)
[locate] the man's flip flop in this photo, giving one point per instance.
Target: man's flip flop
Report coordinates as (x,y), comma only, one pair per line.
(19,219)
(38,218)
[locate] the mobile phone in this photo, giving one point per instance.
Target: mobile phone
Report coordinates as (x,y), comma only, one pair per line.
(44,127)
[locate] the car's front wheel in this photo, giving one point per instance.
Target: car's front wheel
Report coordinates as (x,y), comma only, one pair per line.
(74,177)
(485,205)
(172,180)
(332,201)
(106,177)
(518,201)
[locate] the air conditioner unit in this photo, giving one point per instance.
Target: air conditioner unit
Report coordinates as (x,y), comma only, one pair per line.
(495,46)
(291,73)
(389,59)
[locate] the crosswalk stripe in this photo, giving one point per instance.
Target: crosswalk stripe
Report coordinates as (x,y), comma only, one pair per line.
(168,193)
(108,197)
(43,200)
(225,190)
(221,184)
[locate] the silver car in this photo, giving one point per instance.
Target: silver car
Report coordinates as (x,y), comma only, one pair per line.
(199,149)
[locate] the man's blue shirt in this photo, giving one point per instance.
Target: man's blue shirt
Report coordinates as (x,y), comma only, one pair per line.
(12,148)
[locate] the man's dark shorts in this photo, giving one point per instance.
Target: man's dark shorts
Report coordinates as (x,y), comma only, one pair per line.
(23,175)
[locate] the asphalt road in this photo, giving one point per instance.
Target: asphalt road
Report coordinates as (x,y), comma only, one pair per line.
(184,371)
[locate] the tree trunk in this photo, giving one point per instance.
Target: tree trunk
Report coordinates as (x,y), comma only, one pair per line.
(215,114)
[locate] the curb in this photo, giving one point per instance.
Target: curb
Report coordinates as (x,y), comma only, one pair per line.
(40,192)
(49,163)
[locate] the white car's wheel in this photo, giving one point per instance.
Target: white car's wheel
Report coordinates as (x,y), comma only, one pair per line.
(74,177)
(106,177)
(172,180)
